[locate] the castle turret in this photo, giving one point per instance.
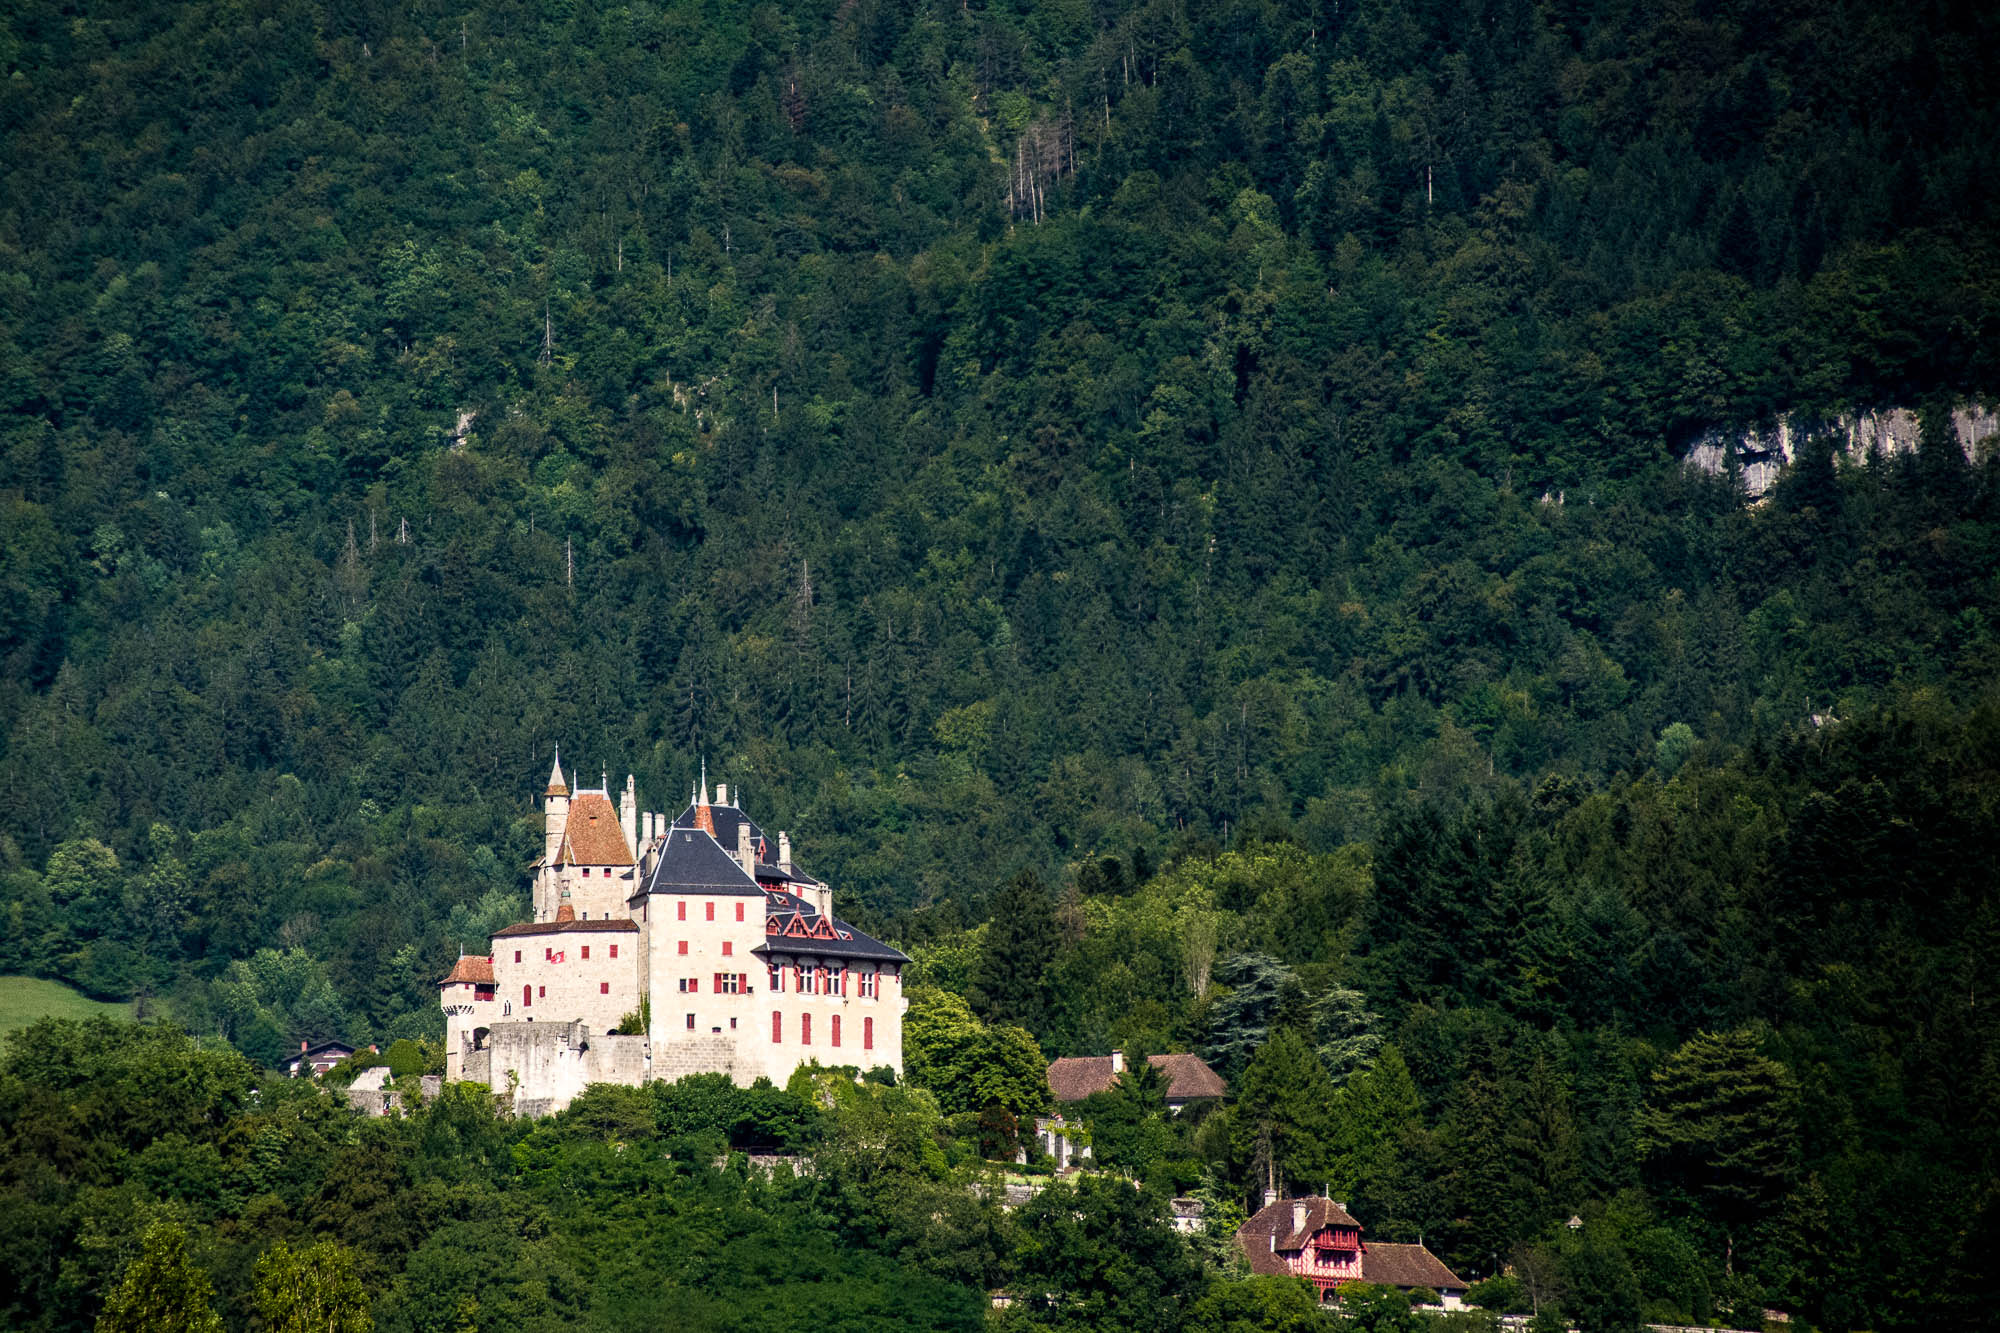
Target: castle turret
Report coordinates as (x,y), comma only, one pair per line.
(628,814)
(555,819)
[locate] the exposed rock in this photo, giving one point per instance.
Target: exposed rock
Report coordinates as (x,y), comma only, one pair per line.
(1761,453)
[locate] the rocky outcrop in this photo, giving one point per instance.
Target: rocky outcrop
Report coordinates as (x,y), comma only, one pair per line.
(1761,453)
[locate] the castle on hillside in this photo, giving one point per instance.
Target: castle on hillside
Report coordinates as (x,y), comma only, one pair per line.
(731,951)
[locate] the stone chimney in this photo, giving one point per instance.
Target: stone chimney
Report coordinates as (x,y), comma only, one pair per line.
(785,852)
(1270,1197)
(1118,1062)
(1298,1216)
(722,793)
(746,854)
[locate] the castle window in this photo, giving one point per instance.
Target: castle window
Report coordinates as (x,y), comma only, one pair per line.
(777,979)
(690,1022)
(777,1027)
(732,1025)
(836,982)
(586,872)
(682,909)
(517,955)
(739,911)
(541,991)
(684,946)
(805,1029)
(802,979)
(527,996)
(865,981)
(728,948)
(867,1034)
(604,988)
(836,1029)
(586,953)
(614,951)
(711,910)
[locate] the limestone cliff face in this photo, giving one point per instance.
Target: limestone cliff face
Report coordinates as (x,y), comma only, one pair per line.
(1761,453)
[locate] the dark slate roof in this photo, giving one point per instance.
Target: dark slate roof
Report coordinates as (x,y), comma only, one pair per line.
(1075,1077)
(565,928)
(1405,1266)
(692,862)
(792,926)
(726,818)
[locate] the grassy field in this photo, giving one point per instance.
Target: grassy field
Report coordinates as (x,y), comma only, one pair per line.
(25,999)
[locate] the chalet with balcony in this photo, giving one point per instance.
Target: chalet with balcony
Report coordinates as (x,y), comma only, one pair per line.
(1317,1239)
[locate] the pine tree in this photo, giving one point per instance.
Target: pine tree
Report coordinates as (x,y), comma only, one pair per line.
(1010,983)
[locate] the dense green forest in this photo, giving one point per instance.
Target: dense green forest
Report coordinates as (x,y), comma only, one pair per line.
(1176,506)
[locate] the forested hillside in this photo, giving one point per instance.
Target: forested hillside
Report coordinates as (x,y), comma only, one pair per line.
(1237,439)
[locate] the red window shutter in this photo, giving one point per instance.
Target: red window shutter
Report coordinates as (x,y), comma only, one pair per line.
(805,1029)
(739,911)
(867,1034)
(542,991)
(690,1022)
(718,983)
(586,953)
(517,955)
(604,988)
(777,1027)
(694,984)
(681,911)
(614,951)
(835,1034)
(728,948)
(684,946)
(527,997)
(711,911)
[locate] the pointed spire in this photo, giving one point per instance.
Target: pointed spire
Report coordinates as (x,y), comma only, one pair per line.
(557,787)
(704,818)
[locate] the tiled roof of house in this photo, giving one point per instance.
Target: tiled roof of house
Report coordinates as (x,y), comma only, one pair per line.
(1405,1266)
(474,968)
(1075,1077)
(617,925)
(692,862)
(592,835)
(1287,1225)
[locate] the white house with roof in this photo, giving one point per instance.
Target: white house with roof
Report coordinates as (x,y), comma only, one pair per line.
(734,952)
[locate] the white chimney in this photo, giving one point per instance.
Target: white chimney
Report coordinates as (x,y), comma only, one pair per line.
(1118,1062)
(1298,1216)
(722,793)
(785,852)
(1270,1197)
(746,855)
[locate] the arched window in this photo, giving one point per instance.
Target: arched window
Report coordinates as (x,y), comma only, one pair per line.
(527,996)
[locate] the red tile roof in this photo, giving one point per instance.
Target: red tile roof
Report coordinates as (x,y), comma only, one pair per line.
(593,836)
(473,968)
(1405,1266)
(1272,1230)
(1075,1077)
